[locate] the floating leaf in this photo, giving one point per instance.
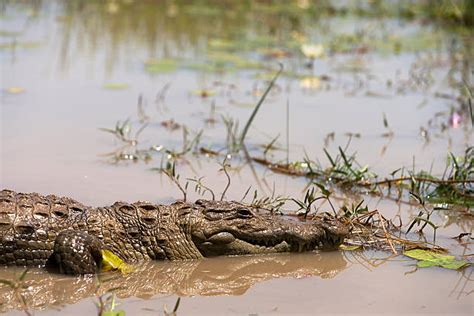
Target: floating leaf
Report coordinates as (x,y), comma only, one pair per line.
(349,247)
(5,33)
(111,262)
(15,90)
(228,61)
(429,259)
(160,66)
(29,45)
(223,44)
(264,75)
(116,86)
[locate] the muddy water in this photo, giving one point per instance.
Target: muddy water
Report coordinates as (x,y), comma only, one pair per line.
(71,68)
(277,284)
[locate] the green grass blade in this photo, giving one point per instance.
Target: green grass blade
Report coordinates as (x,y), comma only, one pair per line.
(329,158)
(257,107)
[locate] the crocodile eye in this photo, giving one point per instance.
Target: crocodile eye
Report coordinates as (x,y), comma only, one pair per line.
(244,213)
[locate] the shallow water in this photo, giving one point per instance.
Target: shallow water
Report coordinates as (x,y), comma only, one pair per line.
(266,285)
(79,67)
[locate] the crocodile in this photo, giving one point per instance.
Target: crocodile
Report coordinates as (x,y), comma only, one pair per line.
(63,234)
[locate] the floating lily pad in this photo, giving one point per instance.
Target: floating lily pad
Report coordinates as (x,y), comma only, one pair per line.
(161,65)
(29,45)
(429,259)
(222,44)
(229,61)
(111,262)
(206,67)
(6,33)
(19,45)
(116,86)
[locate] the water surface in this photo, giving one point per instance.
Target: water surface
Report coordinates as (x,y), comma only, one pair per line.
(70,68)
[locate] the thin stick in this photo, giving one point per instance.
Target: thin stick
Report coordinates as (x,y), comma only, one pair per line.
(387,235)
(228,178)
(257,107)
(172,178)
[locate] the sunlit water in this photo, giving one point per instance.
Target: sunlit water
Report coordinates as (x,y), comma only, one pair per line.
(57,60)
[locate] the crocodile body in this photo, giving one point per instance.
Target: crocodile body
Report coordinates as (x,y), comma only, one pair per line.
(38,230)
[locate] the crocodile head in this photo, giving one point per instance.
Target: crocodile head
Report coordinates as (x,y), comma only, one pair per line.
(230,228)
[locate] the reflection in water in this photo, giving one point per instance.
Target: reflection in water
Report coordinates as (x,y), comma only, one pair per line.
(161,29)
(206,277)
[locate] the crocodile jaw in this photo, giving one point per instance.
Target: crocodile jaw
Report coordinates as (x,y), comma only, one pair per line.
(240,247)
(226,243)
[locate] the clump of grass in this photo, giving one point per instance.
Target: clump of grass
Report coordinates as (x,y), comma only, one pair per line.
(200,188)
(311,197)
(308,201)
(454,187)
(123,130)
(345,170)
(371,230)
(272,203)
(423,217)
